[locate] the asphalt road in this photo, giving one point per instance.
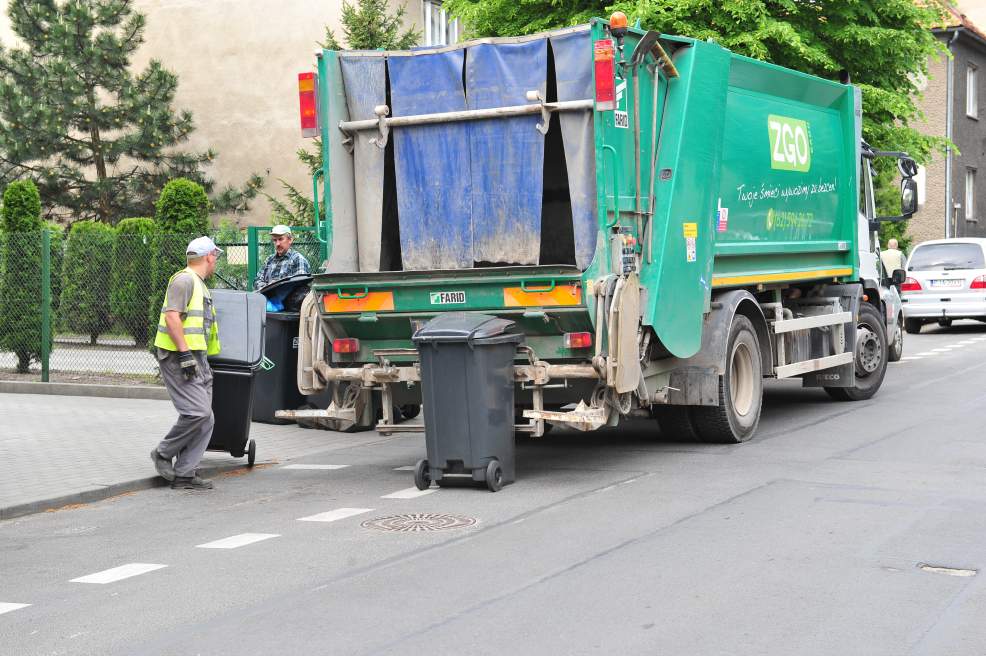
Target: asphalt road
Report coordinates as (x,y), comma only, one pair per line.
(808,540)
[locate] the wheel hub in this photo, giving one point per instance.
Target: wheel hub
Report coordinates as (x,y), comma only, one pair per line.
(868,353)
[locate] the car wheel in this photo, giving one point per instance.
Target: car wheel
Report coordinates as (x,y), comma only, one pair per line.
(913,326)
(896,350)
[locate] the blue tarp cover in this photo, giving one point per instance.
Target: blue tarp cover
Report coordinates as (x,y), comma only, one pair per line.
(507,153)
(432,162)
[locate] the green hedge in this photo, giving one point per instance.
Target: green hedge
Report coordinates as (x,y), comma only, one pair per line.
(133,254)
(87,279)
(20,277)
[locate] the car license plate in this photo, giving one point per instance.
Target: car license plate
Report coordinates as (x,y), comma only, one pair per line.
(949,283)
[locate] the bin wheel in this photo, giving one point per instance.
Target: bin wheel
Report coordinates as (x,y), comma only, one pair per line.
(251,453)
(422,477)
(494,476)
(410,411)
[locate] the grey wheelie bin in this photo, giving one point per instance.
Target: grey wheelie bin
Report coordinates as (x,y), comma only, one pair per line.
(467,386)
(241,317)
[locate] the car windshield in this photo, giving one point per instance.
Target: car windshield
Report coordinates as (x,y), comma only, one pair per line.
(945,257)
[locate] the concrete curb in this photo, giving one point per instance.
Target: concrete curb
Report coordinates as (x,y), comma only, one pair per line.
(102,492)
(84,389)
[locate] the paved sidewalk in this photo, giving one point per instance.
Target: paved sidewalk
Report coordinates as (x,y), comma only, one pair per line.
(59,450)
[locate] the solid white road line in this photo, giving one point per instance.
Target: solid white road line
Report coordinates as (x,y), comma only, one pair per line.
(314,466)
(409,493)
(404,468)
(941,350)
(334,515)
(927,353)
(118,573)
(6,607)
(911,357)
(240,540)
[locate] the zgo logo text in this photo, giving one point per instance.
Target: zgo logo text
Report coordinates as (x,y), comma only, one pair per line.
(790,144)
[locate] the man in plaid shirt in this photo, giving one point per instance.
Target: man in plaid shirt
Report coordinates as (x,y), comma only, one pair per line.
(285,262)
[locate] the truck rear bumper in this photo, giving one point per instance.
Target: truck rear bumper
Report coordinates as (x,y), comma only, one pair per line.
(538,373)
(917,308)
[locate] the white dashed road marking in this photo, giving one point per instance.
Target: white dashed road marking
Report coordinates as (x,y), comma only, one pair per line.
(927,353)
(404,468)
(6,607)
(314,466)
(912,357)
(118,573)
(240,540)
(941,350)
(409,493)
(334,515)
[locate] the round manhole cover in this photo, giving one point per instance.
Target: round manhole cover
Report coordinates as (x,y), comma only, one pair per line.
(419,522)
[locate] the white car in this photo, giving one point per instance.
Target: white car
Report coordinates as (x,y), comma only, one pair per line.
(946,280)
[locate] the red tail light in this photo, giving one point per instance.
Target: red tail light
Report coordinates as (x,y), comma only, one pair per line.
(578,340)
(978,283)
(346,345)
(605,74)
(308,97)
(910,285)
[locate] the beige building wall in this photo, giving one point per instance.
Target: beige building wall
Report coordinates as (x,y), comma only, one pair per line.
(237,63)
(929,221)
(975,10)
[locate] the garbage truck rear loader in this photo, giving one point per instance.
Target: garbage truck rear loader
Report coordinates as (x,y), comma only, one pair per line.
(666,222)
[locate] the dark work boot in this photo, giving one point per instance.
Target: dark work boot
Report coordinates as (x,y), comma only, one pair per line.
(191,483)
(162,465)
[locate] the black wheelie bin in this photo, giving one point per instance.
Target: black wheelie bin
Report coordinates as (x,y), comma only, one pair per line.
(277,388)
(241,317)
(467,385)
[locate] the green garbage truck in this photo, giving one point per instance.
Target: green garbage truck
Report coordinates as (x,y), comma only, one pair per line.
(668,223)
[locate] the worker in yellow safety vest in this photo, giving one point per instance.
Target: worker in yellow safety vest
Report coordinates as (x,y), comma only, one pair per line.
(187,334)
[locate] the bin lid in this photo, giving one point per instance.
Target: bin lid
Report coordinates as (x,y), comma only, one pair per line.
(470,327)
(241,316)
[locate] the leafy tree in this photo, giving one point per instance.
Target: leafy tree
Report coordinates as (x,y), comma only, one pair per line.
(884,45)
(367,25)
(133,254)
(87,279)
(20,277)
(182,213)
(99,138)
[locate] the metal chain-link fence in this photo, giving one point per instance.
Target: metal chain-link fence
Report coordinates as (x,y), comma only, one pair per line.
(88,311)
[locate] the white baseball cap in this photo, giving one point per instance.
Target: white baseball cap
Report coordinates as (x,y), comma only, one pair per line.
(280,229)
(202,246)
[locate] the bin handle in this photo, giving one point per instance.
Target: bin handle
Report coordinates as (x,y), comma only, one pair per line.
(351,296)
(526,287)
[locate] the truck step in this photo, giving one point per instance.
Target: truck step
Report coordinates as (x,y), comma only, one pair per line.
(582,418)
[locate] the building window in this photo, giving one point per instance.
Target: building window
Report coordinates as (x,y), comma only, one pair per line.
(439,30)
(970,194)
(971,92)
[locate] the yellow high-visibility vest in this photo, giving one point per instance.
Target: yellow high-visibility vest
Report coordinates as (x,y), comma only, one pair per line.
(194,324)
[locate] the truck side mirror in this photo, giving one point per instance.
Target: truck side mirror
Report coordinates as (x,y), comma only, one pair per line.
(897,277)
(908,197)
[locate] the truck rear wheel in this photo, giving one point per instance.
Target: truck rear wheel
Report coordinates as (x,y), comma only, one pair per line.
(871,357)
(736,417)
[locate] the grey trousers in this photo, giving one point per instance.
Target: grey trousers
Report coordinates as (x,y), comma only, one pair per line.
(189,437)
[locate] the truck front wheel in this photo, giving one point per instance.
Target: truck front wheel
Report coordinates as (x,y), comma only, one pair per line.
(736,417)
(871,357)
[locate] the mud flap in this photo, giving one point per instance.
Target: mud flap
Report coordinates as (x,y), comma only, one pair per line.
(850,296)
